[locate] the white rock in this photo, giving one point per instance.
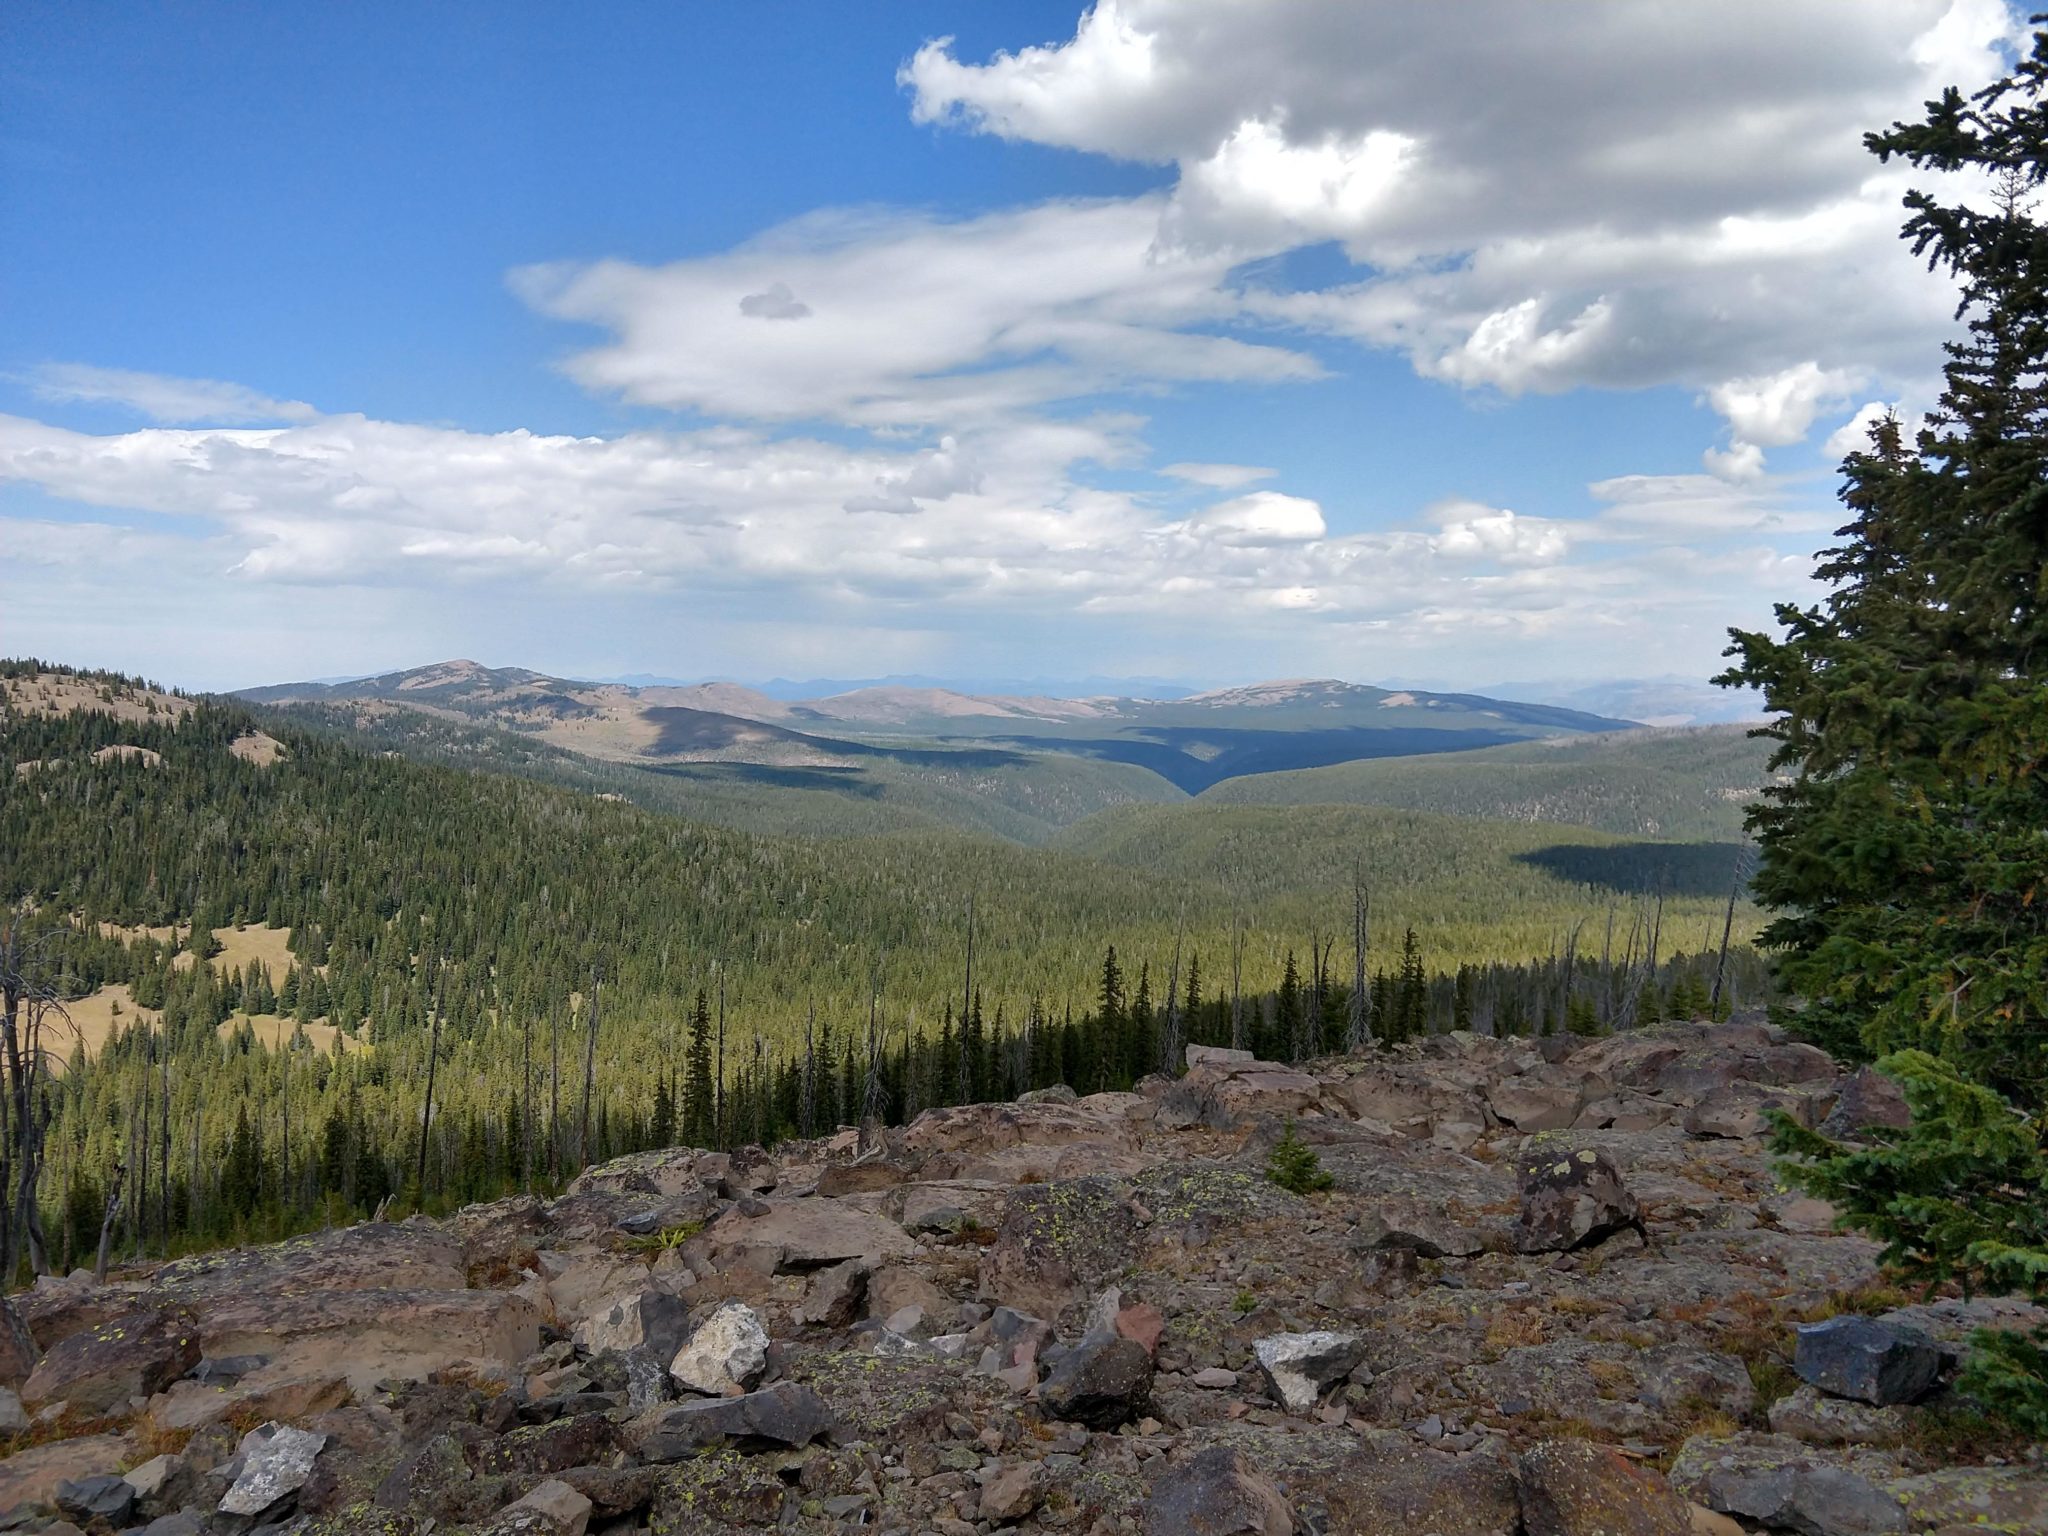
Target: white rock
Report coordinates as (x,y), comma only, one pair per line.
(729,1349)
(1298,1366)
(276,1460)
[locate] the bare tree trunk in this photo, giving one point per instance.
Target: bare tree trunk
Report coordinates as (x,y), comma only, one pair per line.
(99,1268)
(589,1069)
(555,1093)
(433,1059)
(1236,983)
(810,1105)
(164,1161)
(1170,1048)
(1358,1035)
(284,1099)
(1727,928)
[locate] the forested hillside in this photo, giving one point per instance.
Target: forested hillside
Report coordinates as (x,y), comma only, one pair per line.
(1682,784)
(475,924)
(1023,797)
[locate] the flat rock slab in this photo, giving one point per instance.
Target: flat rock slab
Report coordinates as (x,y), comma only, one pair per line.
(371,1256)
(366,1335)
(786,1414)
(134,1354)
(810,1233)
(32,1476)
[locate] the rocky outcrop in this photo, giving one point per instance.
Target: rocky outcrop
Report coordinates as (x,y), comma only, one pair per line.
(1093,1315)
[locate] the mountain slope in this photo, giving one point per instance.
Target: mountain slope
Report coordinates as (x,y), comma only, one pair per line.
(1690,783)
(1188,743)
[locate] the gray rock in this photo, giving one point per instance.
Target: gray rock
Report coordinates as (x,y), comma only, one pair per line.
(182,1523)
(1218,1493)
(1874,1362)
(13,1417)
(786,1414)
(102,1497)
(275,1462)
(1808,1414)
(1102,1383)
(1299,1366)
(729,1349)
(646,1319)
(1571,1200)
(1423,1231)
(1784,1485)
(833,1298)
(1868,1100)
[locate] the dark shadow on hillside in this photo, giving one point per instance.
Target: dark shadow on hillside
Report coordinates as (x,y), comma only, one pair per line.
(1645,869)
(1192,758)
(855,782)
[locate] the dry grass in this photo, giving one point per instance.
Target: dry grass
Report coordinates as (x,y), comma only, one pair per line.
(1513,1329)
(52,694)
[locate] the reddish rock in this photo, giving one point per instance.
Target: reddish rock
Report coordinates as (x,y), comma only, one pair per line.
(136,1354)
(1142,1324)
(1577,1488)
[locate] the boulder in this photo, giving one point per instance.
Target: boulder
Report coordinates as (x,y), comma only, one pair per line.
(1058,1243)
(786,1414)
(833,1298)
(1868,1100)
(1572,1200)
(1742,1110)
(1013,1493)
(1577,1488)
(840,1179)
(13,1417)
(562,1507)
(368,1336)
(1217,1055)
(1970,1499)
(636,1320)
(32,1476)
(1102,1383)
(1299,1367)
(101,1497)
(1810,1415)
(1874,1362)
(1784,1485)
(1547,1099)
(809,1233)
(1420,1229)
(275,1461)
(1216,1493)
(135,1354)
(728,1352)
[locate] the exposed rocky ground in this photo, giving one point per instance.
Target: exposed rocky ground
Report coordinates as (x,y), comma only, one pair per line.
(1555,1289)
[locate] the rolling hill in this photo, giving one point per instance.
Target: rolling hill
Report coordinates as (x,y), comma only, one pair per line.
(914,735)
(1682,784)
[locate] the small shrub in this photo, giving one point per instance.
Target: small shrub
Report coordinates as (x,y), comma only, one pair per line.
(1244,1301)
(1295,1167)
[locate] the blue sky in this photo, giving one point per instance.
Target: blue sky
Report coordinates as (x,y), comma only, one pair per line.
(1205,340)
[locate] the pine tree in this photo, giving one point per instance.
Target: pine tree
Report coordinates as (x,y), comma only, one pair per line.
(1904,860)
(700,1094)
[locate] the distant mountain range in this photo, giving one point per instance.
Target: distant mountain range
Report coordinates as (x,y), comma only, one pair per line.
(1191,741)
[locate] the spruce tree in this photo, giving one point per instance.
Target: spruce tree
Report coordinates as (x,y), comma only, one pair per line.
(699,1093)
(1904,860)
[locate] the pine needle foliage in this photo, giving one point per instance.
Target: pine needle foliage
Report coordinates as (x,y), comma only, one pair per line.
(1295,1167)
(1906,860)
